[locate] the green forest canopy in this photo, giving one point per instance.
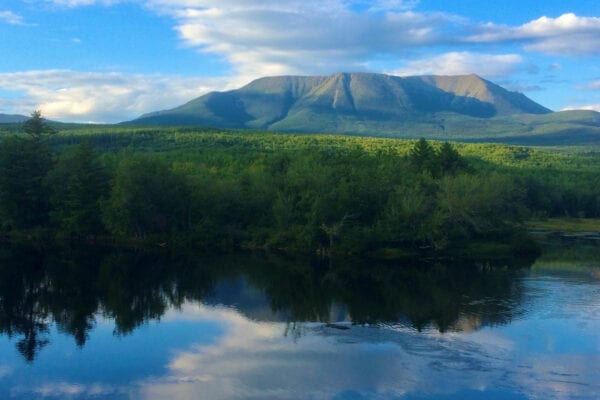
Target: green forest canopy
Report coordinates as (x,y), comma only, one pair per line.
(298,193)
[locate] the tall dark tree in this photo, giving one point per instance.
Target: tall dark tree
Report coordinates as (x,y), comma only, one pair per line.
(36,126)
(24,164)
(448,159)
(77,183)
(422,156)
(147,197)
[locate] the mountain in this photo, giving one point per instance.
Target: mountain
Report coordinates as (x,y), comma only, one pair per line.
(466,106)
(12,118)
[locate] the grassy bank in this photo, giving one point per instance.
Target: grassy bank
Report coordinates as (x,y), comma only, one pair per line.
(566,225)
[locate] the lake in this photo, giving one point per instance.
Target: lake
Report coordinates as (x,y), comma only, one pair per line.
(85,322)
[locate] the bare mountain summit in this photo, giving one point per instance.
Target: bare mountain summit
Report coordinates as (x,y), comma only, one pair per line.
(371,104)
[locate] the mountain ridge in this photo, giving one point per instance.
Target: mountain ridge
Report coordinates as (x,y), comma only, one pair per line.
(270,100)
(12,118)
(434,106)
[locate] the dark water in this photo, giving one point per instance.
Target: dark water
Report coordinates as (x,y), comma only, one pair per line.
(86,323)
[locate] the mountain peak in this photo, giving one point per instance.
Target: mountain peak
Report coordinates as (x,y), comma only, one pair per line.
(12,118)
(347,102)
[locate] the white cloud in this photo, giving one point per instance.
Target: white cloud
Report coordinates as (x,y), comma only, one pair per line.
(99,97)
(257,360)
(274,37)
(312,37)
(463,63)
(68,390)
(257,37)
(11,18)
(568,34)
(590,107)
(269,361)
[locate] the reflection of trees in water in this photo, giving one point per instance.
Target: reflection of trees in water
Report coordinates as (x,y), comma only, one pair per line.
(446,296)
(71,286)
(23,309)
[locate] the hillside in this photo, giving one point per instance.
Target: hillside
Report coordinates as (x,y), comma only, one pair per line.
(442,107)
(12,118)
(351,103)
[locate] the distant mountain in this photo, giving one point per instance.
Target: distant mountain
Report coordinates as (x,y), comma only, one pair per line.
(322,103)
(12,118)
(374,104)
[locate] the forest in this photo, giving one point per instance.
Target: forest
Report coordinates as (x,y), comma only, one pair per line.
(222,190)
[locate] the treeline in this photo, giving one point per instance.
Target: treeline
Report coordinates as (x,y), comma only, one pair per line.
(559,183)
(71,287)
(347,199)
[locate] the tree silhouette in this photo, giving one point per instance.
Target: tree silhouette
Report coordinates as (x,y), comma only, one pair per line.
(422,156)
(36,126)
(448,159)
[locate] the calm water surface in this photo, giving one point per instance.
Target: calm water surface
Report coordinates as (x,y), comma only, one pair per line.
(83,323)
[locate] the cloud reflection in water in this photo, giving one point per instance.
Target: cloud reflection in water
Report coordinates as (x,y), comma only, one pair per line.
(256,360)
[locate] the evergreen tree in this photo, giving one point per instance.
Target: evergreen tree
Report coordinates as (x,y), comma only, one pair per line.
(36,126)
(448,159)
(422,156)
(147,197)
(77,183)
(24,164)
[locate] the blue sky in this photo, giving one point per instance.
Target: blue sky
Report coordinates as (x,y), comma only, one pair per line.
(112,60)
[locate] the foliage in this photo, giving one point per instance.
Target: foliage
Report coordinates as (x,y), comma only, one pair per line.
(36,127)
(24,164)
(146,198)
(406,108)
(422,156)
(78,182)
(449,160)
(77,288)
(308,193)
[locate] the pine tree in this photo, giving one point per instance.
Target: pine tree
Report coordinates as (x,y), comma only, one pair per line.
(448,159)
(422,156)
(77,183)
(36,126)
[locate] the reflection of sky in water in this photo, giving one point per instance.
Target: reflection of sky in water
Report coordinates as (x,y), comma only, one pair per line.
(552,351)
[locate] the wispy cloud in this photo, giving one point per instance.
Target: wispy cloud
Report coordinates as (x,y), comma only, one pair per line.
(69,390)
(79,3)
(590,107)
(568,34)
(388,5)
(99,97)
(243,361)
(594,85)
(265,37)
(275,37)
(522,87)
(271,37)
(462,63)
(11,18)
